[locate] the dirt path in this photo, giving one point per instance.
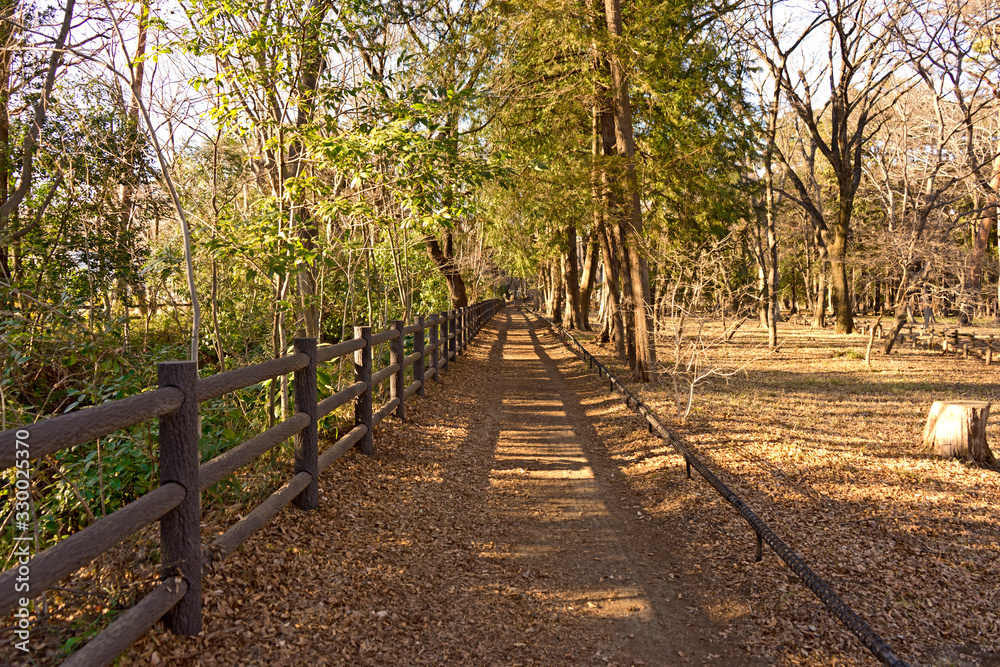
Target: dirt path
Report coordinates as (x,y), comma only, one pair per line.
(489,529)
(566,515)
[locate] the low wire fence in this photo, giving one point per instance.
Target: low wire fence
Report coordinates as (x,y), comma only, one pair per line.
(857,625)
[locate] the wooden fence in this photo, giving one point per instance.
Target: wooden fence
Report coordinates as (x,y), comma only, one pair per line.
(176,502)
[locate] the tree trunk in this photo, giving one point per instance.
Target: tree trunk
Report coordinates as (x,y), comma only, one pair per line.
(773,277)
(14,196)
(612,289)
(589,279)
(618,236)
(982,236)
(549,288)
(763,298)
(7,21)
(572,318)
(819,305)
(958,429)
(641,320)
(840,291)
(559,286)
(890,339)
(608,230)
(301,222)
(444,260)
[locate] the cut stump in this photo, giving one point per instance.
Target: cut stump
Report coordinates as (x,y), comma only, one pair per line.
(958,429)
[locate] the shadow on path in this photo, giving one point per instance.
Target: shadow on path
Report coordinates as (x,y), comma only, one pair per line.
(567,524)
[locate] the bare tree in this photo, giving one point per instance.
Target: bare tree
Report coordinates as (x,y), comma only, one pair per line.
(837,94)
(936,149)
(16,175)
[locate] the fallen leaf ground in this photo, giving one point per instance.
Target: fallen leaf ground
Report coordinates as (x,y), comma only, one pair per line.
(828,453)
(491,528)
(521,515)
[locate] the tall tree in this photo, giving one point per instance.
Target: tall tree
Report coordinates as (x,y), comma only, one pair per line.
(838,98)
(639,298)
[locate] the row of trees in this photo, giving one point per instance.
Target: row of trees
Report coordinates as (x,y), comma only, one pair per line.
(210,179)
(893,130)
(850,160)
(289,167)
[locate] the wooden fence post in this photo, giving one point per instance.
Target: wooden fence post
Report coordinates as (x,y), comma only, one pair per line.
(459,332)
(363,404)
(307,440)
(467,328)
(445,343)
(453,334)
(436,342)
(419,365)
(397,351)
(180,528)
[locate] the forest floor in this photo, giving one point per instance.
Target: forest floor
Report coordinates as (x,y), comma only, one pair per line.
(491,528)
(828,453)
(523,515)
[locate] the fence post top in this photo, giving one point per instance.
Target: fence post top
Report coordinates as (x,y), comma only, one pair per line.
(178,364)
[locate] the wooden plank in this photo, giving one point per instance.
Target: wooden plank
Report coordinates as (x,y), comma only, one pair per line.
(57,433)
(385,411)
(411,359)
(331,403)
(331,352)
(413,328)
(432,373)
(113,640)
(59,561)
(337,449)
(240,378)
(382,374)
(226,463)
(410,388)
(385,336)
(241,531)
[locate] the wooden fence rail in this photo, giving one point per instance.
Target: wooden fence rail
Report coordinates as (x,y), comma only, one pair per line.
(176,502)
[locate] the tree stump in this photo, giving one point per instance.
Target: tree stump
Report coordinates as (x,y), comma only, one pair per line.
(958,429)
